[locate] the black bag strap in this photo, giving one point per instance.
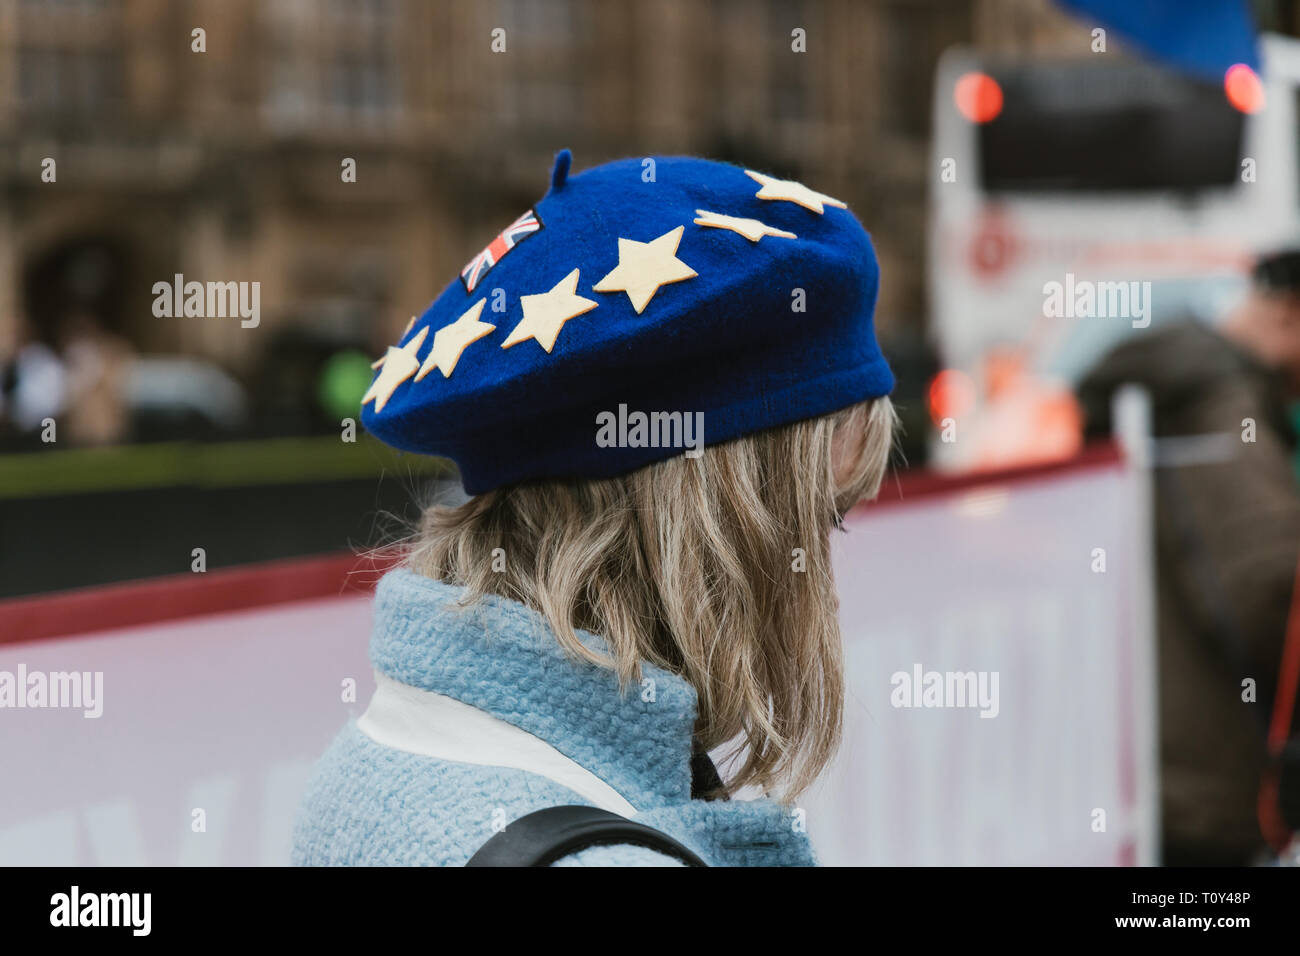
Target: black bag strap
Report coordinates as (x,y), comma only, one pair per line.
(544,836)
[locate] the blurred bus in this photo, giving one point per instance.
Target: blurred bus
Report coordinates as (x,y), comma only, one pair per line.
(1096,170)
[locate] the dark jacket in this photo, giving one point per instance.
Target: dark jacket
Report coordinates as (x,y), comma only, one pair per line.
(1227,540)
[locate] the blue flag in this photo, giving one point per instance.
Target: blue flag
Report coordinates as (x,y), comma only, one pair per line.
(1202,37)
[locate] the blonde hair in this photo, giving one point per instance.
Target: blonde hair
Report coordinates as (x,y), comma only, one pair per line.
(716,568)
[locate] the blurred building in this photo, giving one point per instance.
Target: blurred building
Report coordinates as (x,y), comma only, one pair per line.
(224,165)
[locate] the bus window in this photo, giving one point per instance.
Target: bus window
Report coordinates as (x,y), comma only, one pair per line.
(1082,126)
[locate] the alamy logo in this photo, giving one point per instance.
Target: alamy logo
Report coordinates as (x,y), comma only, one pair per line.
(56,689)
(922,688)
(102,909)
(653,430)
(1085,299)
(208,300)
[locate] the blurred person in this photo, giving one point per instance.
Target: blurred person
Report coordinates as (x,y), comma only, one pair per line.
(33,384)
(605,610)
(1227,540)
(98,365)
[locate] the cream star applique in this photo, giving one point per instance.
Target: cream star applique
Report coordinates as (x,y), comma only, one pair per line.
(450,341)
(644,266)
(791,191)
(398,366)
(546,313)
(751,229)
(405,332)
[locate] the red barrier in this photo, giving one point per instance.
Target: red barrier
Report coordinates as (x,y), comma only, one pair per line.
(135,603)
(921,483)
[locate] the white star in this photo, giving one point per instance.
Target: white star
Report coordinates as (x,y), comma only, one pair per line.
(751,229)
(546,313)
(644,266)
(399,365)
(450,340)
(791,191)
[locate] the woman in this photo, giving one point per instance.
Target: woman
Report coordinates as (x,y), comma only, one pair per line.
(663,391)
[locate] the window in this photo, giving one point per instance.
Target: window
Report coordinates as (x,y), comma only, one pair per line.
(69,59)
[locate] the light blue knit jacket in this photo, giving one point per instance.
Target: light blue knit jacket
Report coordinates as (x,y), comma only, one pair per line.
(367,804)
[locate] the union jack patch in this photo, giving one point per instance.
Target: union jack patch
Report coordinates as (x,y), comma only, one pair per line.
(510,236)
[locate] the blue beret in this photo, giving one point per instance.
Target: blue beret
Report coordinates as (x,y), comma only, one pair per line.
(660,285)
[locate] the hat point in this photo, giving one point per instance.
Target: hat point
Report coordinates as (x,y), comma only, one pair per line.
(560,172)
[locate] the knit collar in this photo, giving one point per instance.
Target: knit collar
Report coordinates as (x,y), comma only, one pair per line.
(502,657)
